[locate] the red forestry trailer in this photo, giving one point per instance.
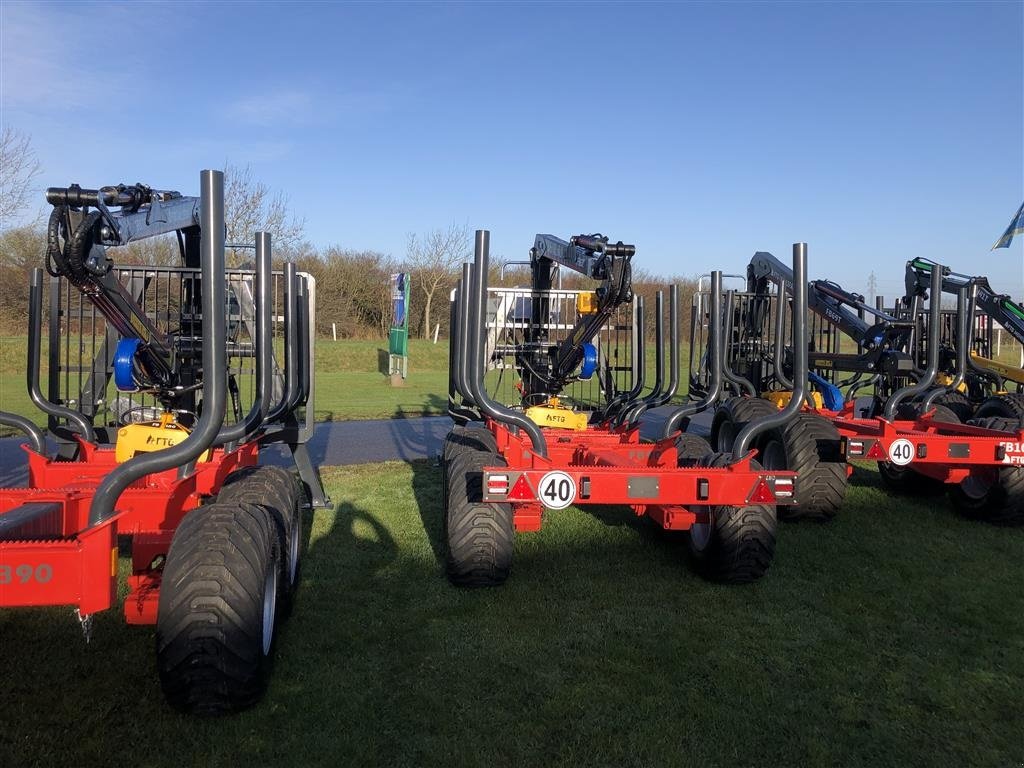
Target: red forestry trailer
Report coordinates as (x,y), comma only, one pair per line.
(506,466)
(162,390)
(877,400)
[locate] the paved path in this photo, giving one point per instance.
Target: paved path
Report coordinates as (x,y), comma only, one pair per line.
(349,442)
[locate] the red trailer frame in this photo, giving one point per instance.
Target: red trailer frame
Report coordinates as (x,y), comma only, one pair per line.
(72,563)
(613,466)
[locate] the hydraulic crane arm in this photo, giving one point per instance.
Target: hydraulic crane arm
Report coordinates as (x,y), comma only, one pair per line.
(825,298)
(881,342)
(80,228)
(598,259)
(999,307)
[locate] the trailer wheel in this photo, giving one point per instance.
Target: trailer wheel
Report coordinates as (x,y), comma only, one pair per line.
(808,444)
(460,440)
(737,544)
(958,403)
(691,448)
(274,488)
(467,438)
(992,494)
(218,597)
(905,479)
(480,534)
(1009,406)
(733,415)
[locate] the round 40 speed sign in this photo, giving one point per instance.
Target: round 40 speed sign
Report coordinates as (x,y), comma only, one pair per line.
(901,452)
(557,490)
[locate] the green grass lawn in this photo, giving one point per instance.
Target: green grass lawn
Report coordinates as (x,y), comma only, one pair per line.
(893,636)
(351,381)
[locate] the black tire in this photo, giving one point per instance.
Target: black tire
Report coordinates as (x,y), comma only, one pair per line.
(738,544)
(463,438)
(906,480)
(691,448)
(958,403)
(460,440)
(1009,406)
(808,444)
(480,535)
(215,626)
(276,489)
(994,494)
(733,415)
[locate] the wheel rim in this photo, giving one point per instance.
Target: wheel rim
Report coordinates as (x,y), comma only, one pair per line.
(890,470)
(700,533)
(269,608)
(976,486)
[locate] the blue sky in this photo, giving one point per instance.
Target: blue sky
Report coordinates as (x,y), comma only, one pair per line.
(701,132)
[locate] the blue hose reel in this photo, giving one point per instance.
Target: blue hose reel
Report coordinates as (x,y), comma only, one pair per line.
(124,365)
(589,361)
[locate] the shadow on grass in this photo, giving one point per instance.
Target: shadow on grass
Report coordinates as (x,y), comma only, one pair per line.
(428,489)
(433,405)
(382,663)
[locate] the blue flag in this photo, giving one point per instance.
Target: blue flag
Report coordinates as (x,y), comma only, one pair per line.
(1016,228)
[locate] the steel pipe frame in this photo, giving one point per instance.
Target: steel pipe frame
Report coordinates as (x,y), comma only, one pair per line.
(746,435)
(477,324)
(932,368)
(214,371)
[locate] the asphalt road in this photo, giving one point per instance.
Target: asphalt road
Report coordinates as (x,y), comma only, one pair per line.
(349,442)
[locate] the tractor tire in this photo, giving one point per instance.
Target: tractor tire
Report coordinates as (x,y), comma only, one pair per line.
(808,444)
(218,597)
(467,438)
(1009,406)
(737,545)
(732,416)
(906,480)
(909,411)
(958,403)
(691,448)
(480,534)
(994,494)
(275,489)
(460,440)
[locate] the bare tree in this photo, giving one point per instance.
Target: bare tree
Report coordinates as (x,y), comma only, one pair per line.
(250,206)
(18,169)
(433,261)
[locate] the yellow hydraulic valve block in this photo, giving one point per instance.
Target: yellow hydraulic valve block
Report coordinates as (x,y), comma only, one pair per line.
(586,303)
(150,436)
(781,398)
(554,414)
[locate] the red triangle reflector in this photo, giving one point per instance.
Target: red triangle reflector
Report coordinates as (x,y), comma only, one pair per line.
(521,491)
(762,493)
(876,451)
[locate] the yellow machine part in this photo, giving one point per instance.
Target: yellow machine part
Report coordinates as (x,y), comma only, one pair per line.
(150,436)
(553,414)
(586,303)
(1009,372)
(781,398)
(944,379)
